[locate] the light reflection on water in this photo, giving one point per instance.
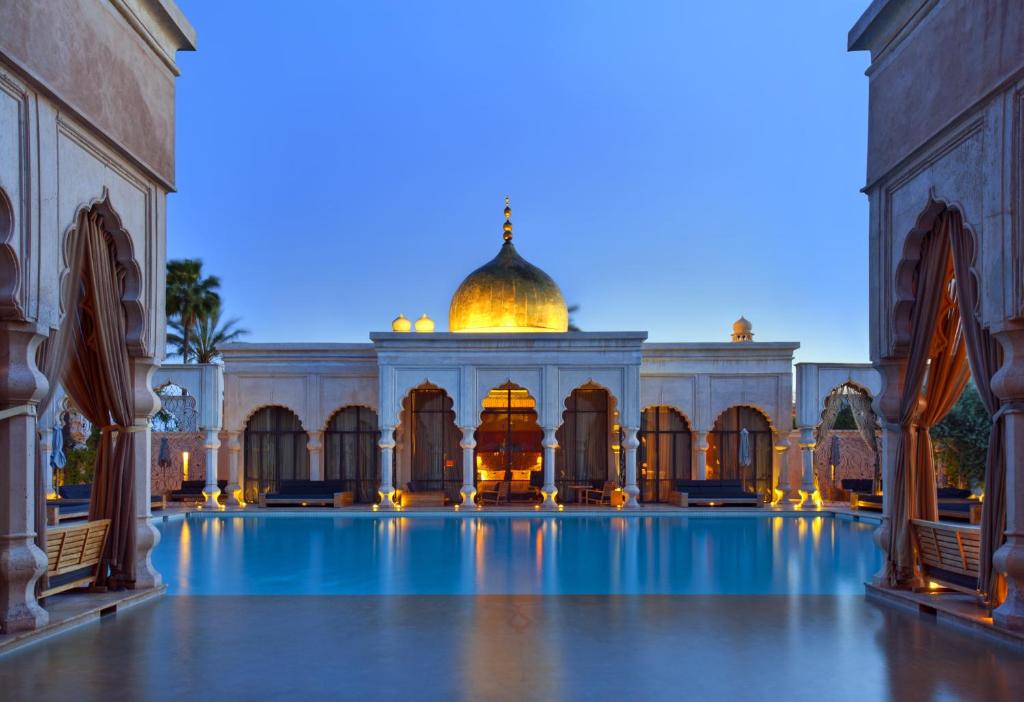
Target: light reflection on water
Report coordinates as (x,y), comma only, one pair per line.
(516,555)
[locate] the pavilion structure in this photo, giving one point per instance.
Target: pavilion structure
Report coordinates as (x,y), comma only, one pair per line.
(509,391)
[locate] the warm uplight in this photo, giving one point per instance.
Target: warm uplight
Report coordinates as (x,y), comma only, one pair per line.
(184,465)
(561,508)
(239,497)
(457,507)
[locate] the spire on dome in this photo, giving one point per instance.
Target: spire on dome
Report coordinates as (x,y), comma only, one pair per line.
(507,227)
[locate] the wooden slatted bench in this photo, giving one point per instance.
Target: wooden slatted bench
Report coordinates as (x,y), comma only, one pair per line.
(73,555)
(949,554)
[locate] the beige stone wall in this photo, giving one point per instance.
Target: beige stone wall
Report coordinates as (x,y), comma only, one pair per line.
(166,479)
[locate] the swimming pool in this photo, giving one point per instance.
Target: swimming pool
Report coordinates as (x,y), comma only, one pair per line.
(511,555)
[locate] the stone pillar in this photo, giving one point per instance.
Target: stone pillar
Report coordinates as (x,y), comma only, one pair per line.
(146,535)
(549,491)
(45,453)
(702,454)
(630,443)
(211,492)
(887,410)
(780,466)
(235,496)
(387,456)
(21,562)
(468,444)
(807,477)
(1008,385)
(315,448)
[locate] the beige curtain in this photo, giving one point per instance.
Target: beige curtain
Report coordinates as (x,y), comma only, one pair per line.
(985,356)
(934,316)
(867,424)
(98,379)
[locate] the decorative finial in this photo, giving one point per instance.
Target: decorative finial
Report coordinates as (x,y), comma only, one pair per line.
(508,221)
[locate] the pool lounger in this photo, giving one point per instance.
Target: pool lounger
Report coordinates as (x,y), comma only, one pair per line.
(193,490)
(714,493)
(73,503)
(307,493)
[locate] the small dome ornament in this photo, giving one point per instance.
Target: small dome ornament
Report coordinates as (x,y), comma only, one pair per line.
(507,227)
(401,324)
(424,324)
(742,330)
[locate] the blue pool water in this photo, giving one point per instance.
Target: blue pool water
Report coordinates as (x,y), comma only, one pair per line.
(498,555)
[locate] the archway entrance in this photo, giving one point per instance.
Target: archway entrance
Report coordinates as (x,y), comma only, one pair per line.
(733,457)
(350,451)
(436,458)
(583,442)
(509,444)
(665,453)
(275,450)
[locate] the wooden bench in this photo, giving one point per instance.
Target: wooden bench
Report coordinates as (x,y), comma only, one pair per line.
(74,551)
(949,554)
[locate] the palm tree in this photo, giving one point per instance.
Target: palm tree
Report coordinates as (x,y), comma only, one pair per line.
(207,335)
(189,295)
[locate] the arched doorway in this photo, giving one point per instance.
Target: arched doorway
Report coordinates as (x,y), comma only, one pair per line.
(726,461)
(275,450)
(583,442)
(435,455)
(509,443)
(350,451)
(665,453)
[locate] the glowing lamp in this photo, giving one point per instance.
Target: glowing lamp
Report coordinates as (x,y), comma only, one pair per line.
(184,465)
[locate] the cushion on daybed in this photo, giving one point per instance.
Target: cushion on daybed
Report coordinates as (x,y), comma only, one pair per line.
(75,492)
(308,489)
(950,493)
(712,489)
(858,484)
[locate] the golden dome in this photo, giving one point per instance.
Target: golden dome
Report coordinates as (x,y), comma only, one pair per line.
(424,324)
(508,294)
(401,324)
(742,330)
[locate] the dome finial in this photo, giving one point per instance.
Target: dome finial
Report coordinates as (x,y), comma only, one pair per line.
(507,227)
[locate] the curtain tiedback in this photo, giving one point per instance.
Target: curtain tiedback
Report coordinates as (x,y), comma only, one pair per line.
(909,497)
(985,357)
(98,380)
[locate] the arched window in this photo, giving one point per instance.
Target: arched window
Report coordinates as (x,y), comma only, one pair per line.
(350,451)
(726,460)
(436,455)
(582,456)
(664,452)
(275,450)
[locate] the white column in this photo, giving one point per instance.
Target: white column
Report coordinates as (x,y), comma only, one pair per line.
(21,562)
(780,467)
(387,455)
(887,409)
(807,476)
(702,455)
(46,452)
(1008,384)
(630,443)
(146,535)
(315,448)
(234,489)
(211,492)
(468,491)
(549,491)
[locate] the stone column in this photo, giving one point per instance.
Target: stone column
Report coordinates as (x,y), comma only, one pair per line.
(807,477)
(702,454)
(21,562)
(387,456)
(315,448)
(211,492)
(146,535)
(887,410)
(45,453)
(549,491)
(1008,384)
(234,490)
(780,466)
(630,443)
(468,444)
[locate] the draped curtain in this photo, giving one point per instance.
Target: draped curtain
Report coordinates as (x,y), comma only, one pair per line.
(833,405)
(864,416)
(985,357)
(98,379)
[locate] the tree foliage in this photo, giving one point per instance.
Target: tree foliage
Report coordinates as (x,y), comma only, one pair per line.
(190,295)
(208,334)
(961,439)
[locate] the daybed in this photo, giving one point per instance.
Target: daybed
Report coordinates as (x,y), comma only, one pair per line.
(192,490)
(73,503)
(713,493)
(304,493)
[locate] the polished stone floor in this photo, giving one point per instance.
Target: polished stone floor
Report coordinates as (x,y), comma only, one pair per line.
(693,647)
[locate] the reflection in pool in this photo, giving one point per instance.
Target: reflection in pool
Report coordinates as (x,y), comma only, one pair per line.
(423,555)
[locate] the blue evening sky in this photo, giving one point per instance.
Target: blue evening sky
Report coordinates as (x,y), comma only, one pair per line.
(672,164)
